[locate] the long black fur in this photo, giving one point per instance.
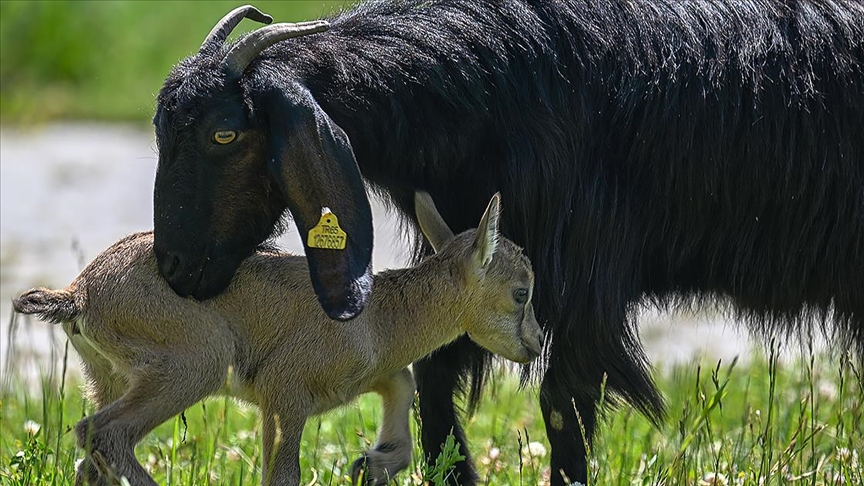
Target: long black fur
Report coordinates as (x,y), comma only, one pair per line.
(645,151)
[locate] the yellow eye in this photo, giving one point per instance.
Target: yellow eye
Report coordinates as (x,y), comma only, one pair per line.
(224,136)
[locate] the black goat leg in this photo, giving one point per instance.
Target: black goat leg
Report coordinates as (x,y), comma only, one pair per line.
(438,378)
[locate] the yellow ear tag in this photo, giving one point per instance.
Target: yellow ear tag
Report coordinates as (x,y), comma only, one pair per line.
(327,234)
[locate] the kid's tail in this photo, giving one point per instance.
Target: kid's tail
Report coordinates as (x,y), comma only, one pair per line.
(54,306)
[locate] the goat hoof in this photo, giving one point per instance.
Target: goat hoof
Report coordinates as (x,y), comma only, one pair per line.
(358,470)
(363,473)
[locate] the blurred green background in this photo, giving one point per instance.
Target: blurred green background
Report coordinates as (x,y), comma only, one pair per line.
(105,60)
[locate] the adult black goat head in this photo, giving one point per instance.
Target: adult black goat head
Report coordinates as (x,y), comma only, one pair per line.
(236,150)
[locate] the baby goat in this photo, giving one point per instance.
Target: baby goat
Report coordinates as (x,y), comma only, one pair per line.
(149,354)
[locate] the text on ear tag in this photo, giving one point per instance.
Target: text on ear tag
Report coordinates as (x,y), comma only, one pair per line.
(327,234)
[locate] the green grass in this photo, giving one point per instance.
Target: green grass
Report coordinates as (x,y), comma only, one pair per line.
(107,59)
(766,423)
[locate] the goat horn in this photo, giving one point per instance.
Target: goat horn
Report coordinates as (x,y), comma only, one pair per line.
(239,57)
(224,27)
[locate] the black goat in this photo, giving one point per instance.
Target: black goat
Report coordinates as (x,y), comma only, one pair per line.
(648,150)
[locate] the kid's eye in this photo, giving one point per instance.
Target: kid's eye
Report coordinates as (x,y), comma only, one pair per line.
(520,296)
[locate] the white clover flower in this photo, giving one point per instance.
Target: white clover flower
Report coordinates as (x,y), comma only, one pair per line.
(331,450)
(827,390)
(152,463)
(31,427)
(713,479)
(843,454)
(716,446)
(835,478)
(233,454)
(534,449)
(491,457)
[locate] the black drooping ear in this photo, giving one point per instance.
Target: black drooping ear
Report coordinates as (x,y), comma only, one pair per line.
(312,160)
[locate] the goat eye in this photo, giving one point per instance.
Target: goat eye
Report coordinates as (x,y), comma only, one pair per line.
(224,136)
(520,296)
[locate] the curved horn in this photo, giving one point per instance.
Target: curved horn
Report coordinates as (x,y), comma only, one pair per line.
(224,27)
(247,48)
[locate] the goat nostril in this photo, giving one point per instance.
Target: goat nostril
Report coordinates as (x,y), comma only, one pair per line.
(170,264)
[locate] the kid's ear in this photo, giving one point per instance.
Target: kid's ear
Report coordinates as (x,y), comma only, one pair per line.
(486,240)
(431,223)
